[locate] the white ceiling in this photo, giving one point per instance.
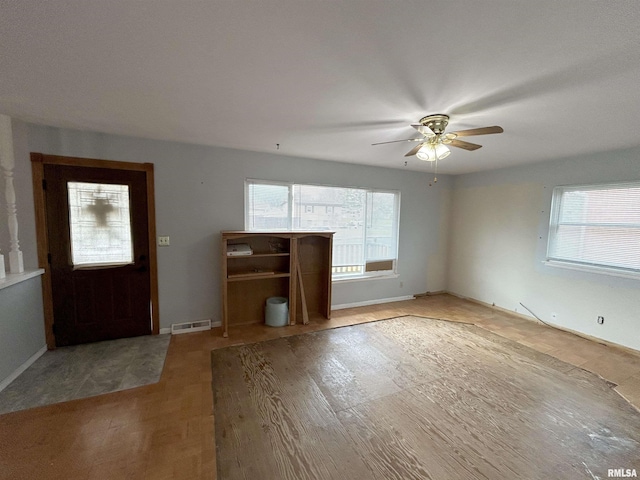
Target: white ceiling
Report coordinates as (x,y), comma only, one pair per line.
(326,79)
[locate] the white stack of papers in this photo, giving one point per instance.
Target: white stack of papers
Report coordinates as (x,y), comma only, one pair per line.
(239,249)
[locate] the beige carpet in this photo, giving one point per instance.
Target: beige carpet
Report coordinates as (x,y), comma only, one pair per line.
(413,398)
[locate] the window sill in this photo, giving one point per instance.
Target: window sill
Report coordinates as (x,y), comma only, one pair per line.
(14,278)
(587,269)
(386,276)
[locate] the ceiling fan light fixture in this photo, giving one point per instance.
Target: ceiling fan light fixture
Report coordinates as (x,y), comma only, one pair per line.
(431,152)
(442,151)
(426,153)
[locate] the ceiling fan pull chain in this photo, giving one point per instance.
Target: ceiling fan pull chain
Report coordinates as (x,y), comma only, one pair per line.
(434,167)
(435,175)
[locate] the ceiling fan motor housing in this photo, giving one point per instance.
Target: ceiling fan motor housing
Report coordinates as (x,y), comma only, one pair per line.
(435,123)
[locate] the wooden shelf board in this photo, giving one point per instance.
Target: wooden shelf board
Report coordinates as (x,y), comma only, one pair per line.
(240,277)
(260,255)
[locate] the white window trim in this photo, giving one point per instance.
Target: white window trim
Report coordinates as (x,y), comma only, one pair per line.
(387,274)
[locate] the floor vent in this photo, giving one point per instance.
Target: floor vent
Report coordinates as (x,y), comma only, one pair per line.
(189,327)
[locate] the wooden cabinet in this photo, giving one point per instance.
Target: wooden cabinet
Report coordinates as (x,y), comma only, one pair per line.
(295,265)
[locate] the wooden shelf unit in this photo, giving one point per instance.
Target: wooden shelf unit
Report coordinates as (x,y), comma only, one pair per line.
(295,265)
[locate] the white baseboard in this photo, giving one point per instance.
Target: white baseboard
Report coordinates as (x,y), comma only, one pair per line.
(529,317)
(372,302)
(5,383)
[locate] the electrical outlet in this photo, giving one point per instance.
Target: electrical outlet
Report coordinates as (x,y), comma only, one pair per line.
(164,241)
(600,320)
(401,284)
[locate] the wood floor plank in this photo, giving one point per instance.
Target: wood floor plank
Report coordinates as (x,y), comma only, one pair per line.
(349,374)
(322,435)
(301,438)
(234,426)
(384,446)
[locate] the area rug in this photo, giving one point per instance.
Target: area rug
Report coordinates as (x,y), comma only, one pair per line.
(413,398)
(81,371)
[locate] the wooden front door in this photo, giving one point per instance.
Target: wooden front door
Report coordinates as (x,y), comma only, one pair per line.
(97,228)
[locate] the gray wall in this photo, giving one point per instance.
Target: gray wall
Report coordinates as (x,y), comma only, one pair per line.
(200,191)
(21,325)
(499,228)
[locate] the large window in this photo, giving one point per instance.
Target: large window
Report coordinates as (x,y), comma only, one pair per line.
(596,226)
(365,221)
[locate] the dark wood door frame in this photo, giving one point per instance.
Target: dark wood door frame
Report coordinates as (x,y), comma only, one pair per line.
(38,160)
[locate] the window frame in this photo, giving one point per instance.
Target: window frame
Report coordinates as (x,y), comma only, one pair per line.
(364,275)
(554,223)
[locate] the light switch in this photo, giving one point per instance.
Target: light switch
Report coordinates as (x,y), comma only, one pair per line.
(163,241)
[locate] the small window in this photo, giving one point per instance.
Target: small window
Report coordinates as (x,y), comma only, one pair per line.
(100,224)
(596,226)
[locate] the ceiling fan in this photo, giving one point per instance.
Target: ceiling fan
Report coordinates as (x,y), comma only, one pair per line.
(432,145)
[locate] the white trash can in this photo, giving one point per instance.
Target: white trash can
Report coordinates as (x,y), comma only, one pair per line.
(277,312)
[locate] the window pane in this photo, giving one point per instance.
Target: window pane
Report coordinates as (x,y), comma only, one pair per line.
(268,207)
(381,238)
(100,224)
(336,209)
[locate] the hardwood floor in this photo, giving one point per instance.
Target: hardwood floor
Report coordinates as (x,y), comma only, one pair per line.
(166,431)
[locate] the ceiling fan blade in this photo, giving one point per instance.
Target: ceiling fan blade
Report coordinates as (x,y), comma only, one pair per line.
(423,129)
(479,131)
(414,150)
(466,145)
(396,141)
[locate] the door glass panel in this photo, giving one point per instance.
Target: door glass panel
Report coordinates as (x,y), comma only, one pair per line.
(100,223)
